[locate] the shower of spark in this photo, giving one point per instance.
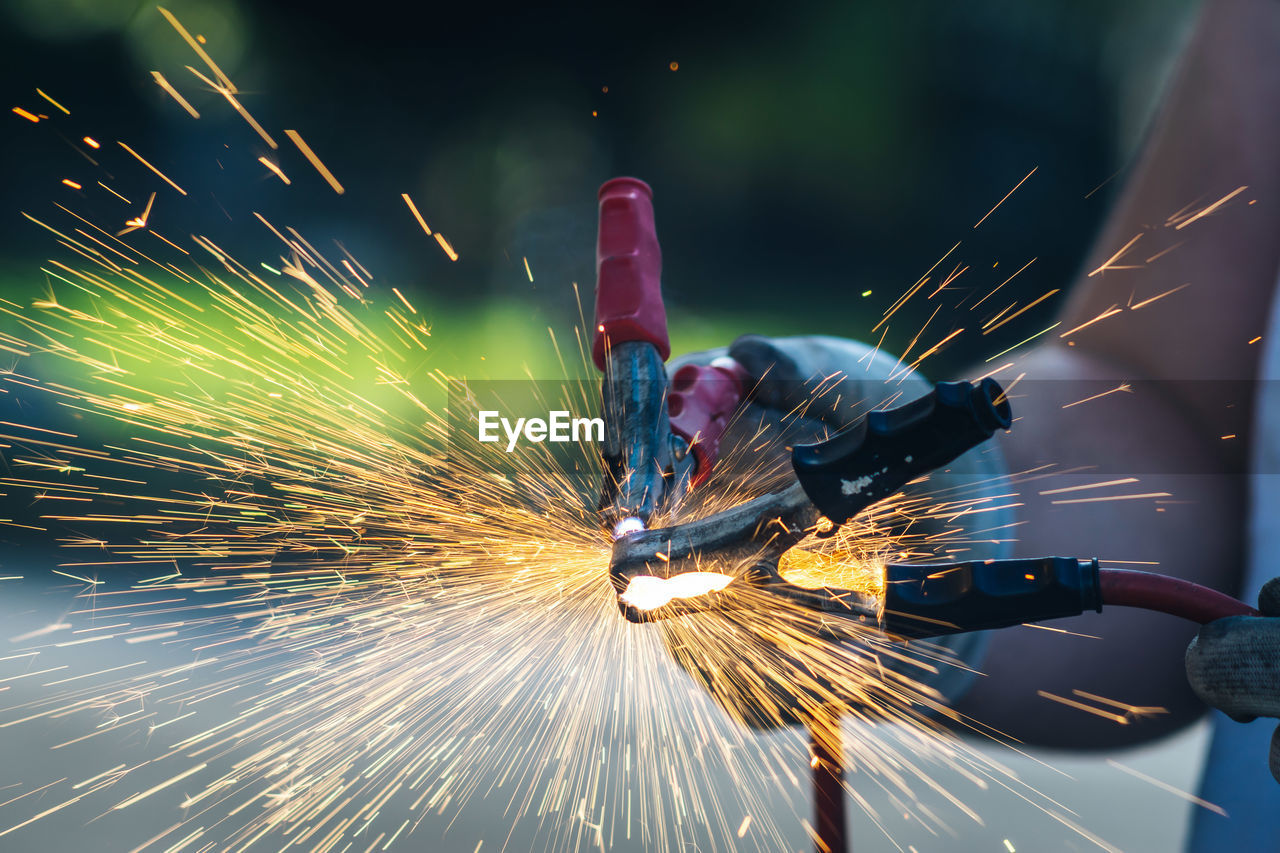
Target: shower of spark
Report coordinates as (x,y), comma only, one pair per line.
(359,587)
(382,623)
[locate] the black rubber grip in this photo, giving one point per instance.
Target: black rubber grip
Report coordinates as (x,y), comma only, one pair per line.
(932,600)
(884,450)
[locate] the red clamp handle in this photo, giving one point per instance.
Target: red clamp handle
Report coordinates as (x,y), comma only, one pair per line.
(628,271)
(701,401)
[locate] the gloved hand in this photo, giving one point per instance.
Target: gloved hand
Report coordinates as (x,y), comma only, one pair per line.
(1233,665)
(802,389)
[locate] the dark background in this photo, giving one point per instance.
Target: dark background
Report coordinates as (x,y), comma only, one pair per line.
(800,155)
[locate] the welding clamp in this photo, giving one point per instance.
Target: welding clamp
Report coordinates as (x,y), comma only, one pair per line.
(662,439)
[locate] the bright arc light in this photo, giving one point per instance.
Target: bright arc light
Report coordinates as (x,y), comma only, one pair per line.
(647,592)
(631,524)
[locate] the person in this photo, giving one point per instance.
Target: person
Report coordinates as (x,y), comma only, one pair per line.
(1192,421)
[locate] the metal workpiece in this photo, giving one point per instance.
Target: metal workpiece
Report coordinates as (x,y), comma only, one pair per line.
(728,542)
(742,544)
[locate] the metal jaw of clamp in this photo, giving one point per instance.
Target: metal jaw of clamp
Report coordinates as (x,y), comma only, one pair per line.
(699,565)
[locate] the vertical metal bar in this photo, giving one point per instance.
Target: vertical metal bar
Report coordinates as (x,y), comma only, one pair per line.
(826,760)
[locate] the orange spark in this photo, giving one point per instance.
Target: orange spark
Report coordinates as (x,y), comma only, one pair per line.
(32,117)
(200,51)
(952,276)
(71,183)
(902,300)
(1114,498)
(1163,252)
(1006,196)
(142,796)
(1120,482)
(144,162)
(315,161)
(52,101)
(444,244)
(238,107)
(1210,209)
(990,373)
(1165,786)
(173,93)
(114,193)
(413,208)
(140,221)
(1123,386)
(1146,302)
(1113,310)
(1108,263)
(158,236)
(1080,706)
(1003,283)
(276,169)
(1020,311)
(400,296)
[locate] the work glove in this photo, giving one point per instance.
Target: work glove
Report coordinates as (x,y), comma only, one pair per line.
(802,389)
(1233,665)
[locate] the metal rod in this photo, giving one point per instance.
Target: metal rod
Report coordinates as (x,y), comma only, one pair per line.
(826,752)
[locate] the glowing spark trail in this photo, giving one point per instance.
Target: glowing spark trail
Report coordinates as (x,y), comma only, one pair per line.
(1165,786)
(315,161)
(413,208)
(173,93)
(331,619)
(275,170)
(231,99)
(199,50)
(146,163)
(1121,388)
(52,101)
(1200,214)
(1006,197)
(1110,263)
(1006,281)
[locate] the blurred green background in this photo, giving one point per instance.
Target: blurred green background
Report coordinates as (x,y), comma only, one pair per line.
(801,154)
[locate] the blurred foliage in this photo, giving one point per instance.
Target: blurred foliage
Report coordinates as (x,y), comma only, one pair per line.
(470,342)
(800,155)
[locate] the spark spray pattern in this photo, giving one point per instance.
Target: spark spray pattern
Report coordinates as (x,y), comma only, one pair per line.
(362,590)
(385,627)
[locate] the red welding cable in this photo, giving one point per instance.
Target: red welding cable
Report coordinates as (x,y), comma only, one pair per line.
(828,787)
(1150,591)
